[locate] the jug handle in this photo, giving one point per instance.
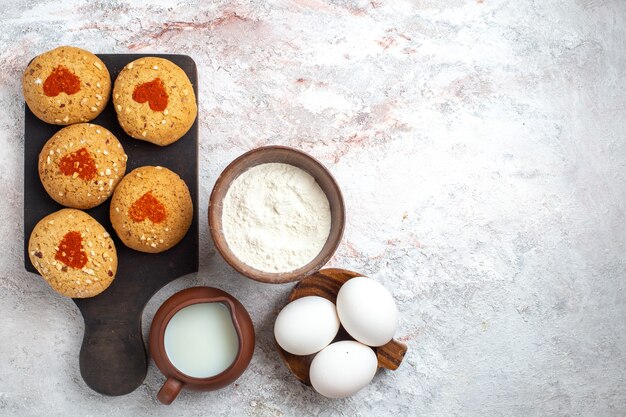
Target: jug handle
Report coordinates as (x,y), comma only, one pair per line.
(170,390)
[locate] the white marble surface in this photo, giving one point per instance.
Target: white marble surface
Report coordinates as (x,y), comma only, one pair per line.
(481,149)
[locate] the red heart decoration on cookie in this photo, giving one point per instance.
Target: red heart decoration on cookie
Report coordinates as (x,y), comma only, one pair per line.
(79,162)
(147,206)
(70,250)
(153,92)
(61,80)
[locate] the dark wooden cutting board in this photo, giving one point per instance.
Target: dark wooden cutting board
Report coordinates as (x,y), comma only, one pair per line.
(113,359)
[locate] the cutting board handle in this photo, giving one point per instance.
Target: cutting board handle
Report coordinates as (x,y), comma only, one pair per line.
(113,358)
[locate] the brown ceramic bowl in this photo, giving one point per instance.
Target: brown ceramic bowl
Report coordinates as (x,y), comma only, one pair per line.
(177,380)
(297,158)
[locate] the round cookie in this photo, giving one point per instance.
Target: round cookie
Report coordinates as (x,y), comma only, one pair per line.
(81,165)
(151,209)
(154,100)
(73,253)
(66,85)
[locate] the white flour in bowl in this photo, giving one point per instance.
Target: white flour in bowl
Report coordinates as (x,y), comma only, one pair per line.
(275,217)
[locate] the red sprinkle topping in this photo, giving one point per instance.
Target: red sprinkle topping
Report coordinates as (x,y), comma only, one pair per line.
(61,80)
(80,162)
(153,92)
(147,206)
(71,250)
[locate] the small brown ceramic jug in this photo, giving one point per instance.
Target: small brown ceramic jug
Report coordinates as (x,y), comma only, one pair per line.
(176,380)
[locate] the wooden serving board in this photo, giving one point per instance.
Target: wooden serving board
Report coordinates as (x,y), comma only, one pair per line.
(113,359)
(326,283)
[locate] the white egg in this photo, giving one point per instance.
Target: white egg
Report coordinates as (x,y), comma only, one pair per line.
(367,311)
(342,369)
(306,325)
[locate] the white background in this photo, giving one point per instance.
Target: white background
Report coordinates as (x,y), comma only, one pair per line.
(481,149)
